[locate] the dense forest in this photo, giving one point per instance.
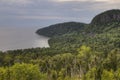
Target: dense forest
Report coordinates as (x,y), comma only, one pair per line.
(77,51)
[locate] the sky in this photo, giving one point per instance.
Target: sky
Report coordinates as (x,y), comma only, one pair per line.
(41,13)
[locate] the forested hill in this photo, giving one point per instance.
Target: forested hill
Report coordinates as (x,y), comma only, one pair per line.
(100,23)
(103,30)
(61,28)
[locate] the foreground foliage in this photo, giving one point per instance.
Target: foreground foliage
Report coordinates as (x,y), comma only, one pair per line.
(85,64)
(21,72)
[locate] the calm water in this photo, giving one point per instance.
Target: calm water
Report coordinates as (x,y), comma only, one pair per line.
(19,38)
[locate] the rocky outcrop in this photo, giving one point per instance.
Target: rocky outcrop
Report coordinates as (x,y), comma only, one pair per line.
(107,17)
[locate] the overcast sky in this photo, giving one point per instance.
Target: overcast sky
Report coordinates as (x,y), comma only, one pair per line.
(30,13)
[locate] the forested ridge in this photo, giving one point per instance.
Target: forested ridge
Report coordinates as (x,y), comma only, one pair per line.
(61,28)
(77,51)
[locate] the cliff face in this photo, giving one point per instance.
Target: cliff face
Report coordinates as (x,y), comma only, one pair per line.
(106,17)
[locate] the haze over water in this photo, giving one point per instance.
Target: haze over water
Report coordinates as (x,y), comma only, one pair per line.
(12,38)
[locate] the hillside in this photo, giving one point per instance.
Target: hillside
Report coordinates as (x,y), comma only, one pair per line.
(107,17)
(104,21)
(61,28)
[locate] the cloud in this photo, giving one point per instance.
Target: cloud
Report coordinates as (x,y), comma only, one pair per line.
(68,0)
(52,11)
(16,2)
(49,18)
(40,17)
(108,1)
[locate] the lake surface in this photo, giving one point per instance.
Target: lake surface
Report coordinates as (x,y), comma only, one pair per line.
(12,38)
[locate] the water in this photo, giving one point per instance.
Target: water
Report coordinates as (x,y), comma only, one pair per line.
(12,38)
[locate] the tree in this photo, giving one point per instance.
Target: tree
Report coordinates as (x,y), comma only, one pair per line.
(107,75)
(117,74)
(91,74)
(85,56)
(22,72)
